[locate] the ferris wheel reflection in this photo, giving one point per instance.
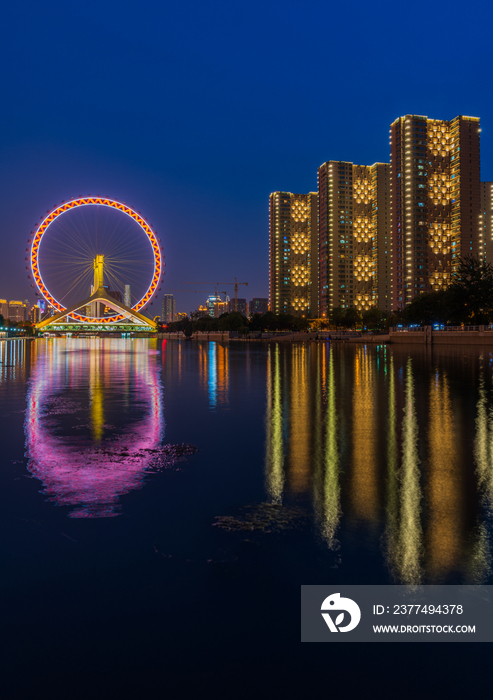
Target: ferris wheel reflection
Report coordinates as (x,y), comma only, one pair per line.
(93,383)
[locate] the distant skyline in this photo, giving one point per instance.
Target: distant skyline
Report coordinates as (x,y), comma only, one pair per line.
(195,113)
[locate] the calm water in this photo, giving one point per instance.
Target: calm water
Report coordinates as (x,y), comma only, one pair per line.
(129,565)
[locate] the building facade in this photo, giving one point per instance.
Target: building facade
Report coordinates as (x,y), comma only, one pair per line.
(241,306)
(18,311)
(485,219)
(293,254)
(258,305)
(381,188)
(435,202)
(35,315)
(127,296)
(221,307)
(4,309)
(354,236)
(168,311)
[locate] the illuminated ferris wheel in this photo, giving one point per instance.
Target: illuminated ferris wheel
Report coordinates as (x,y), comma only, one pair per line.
(95,260)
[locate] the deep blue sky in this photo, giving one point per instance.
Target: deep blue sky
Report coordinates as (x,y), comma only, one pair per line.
(194,112)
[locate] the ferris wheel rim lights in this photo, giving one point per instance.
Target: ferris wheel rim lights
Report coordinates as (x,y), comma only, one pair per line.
(91,201)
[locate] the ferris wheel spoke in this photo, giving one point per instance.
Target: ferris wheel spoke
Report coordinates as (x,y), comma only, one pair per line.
(116,233)
(72,244)
(72,234)
(76,282)
(124,247)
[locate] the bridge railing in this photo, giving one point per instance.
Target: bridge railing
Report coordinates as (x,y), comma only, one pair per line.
(445,329)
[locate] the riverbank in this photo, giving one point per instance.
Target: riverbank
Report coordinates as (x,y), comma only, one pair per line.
(458,335)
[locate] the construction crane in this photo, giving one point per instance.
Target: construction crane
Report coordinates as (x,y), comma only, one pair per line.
(236,283)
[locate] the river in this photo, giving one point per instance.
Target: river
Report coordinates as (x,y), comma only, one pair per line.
(163,501)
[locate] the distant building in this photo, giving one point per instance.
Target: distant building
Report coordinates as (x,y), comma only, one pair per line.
(198,313)
(241,306)
(4,309)
(127,298)
(35,315)
(168,309)
(17,311)
(259,305)
(114,294)
(49,311)
(211,300)
(181,315)
(221,307)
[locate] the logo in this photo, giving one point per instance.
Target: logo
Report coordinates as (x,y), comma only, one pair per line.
(334,603)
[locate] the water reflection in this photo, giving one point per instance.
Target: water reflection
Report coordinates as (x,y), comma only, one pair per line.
(214,372)
(409,553)
(378,439)
(88,466)
(483,445)
(275,446)
(300,427)
(391,449)
(445,487)
(327,491)
(13,355)
(364,472)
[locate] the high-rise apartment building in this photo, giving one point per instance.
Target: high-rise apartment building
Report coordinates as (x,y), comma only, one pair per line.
(381,189)
(354,236)
(435,202)
(293,254)
(486,219)
(168,309)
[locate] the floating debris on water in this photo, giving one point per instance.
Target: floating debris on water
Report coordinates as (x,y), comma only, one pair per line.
(266,517)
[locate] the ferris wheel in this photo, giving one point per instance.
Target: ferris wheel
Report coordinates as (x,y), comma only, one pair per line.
(72,238)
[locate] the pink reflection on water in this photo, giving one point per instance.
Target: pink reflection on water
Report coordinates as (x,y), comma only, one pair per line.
(91,473)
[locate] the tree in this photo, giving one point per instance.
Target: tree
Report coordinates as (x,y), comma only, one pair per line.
(372,318)
(232,322)
(471,293)
(337,316)
(427,309)
(352,318)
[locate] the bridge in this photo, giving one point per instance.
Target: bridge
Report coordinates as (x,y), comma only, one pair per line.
(71,320)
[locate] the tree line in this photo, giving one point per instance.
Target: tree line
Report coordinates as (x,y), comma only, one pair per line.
(467,301)
(235,321)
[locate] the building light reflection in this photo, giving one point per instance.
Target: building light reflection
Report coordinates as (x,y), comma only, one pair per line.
(274,429)
(328,502)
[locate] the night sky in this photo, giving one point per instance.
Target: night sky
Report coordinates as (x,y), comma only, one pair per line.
(194,112)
